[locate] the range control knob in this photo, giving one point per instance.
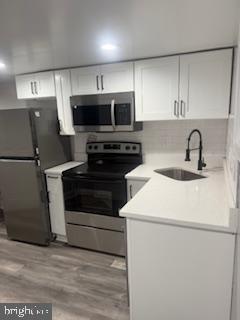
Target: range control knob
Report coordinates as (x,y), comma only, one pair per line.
(127,148)
(90,147)
(134,148)
(95,147)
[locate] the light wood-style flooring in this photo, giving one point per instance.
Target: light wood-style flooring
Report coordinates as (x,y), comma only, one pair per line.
(80,284)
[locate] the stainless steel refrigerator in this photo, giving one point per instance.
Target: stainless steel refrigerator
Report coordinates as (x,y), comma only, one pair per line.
(29,144)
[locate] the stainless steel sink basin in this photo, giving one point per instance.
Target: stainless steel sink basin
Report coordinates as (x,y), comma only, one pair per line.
(179,174)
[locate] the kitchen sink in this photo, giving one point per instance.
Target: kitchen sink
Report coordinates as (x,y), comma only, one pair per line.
(179,174)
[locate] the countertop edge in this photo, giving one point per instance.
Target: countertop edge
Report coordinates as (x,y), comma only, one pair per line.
(58,170)
(232,229)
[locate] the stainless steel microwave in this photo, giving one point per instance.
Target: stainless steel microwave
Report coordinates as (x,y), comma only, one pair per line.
(105,112)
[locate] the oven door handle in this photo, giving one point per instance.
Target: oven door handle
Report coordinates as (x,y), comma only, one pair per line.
(79,178)
(113,114)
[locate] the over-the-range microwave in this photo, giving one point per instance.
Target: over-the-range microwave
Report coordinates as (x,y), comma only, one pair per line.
(105,112)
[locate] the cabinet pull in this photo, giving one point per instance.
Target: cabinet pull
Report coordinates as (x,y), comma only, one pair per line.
(130,191)
(32,87)
(176,108)
(102,82)
(183,109)
(97,81)
(35,87)
(52,177)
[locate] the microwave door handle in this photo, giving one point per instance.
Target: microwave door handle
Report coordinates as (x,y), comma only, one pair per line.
(113,114)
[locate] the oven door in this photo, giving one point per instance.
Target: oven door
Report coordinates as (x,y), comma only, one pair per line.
(104,197)
(105,112)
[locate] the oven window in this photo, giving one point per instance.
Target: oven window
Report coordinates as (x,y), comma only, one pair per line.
(96,200)
(94,196)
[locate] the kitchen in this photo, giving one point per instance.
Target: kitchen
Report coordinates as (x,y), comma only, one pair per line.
(119,158)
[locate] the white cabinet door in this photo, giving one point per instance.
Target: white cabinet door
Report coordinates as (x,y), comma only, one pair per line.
(35,85)
(133,186)
(156,89)
(86,80)
(63,93)
(117,77)
(205,84)
(44,84)
(56,205)
(179,273)
(25,86)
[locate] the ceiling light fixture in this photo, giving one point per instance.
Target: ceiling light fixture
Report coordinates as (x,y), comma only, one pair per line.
(2,65)
(108,47)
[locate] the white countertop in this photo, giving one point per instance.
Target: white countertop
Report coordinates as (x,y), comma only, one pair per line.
(204,203)
(58,170)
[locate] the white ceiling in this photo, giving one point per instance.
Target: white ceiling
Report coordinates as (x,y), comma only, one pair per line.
(46,34)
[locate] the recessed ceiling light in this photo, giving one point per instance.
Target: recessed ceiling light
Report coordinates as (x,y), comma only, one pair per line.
(2,65)
(108,47)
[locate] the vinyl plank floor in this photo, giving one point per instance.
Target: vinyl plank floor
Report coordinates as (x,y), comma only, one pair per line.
(80,284)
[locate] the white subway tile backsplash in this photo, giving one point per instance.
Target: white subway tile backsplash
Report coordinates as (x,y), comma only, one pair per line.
(164,137)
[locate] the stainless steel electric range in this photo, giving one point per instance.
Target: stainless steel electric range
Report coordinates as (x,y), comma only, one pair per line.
(95,191)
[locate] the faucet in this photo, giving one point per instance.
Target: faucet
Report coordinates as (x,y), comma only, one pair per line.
(201,163)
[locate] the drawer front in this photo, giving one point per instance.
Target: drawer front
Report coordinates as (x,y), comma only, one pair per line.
(96,239)
(94,220)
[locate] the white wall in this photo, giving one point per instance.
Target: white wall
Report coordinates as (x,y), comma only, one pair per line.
(164,137)
(8,95)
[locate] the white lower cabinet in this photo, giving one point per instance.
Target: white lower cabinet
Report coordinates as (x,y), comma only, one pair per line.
(133,186)
(56,198)
(178,273)
(56,205)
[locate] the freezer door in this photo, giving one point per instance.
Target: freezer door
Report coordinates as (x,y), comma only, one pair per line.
(24,206)
(53,149)
(15,133)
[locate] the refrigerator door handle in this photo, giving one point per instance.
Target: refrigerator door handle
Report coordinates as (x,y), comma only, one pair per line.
(38,163)
(17,160)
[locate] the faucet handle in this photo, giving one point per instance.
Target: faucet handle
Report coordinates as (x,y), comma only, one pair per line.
(203,163)
(187,155)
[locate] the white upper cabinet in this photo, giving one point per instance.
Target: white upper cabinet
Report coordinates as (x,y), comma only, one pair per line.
(45,84)
(63,93)
(117,77)
(36,85)
(85,80)
(156,88)
(190,86)
(25,87)
(205,84)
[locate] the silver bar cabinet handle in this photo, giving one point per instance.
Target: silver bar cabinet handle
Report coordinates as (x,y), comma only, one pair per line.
(130,191)
(32,87)
(97,81)
(183,109)
(102,82)
(176,108)
(35,87)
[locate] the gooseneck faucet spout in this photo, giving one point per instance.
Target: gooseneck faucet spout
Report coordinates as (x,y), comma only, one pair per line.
(201,163)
